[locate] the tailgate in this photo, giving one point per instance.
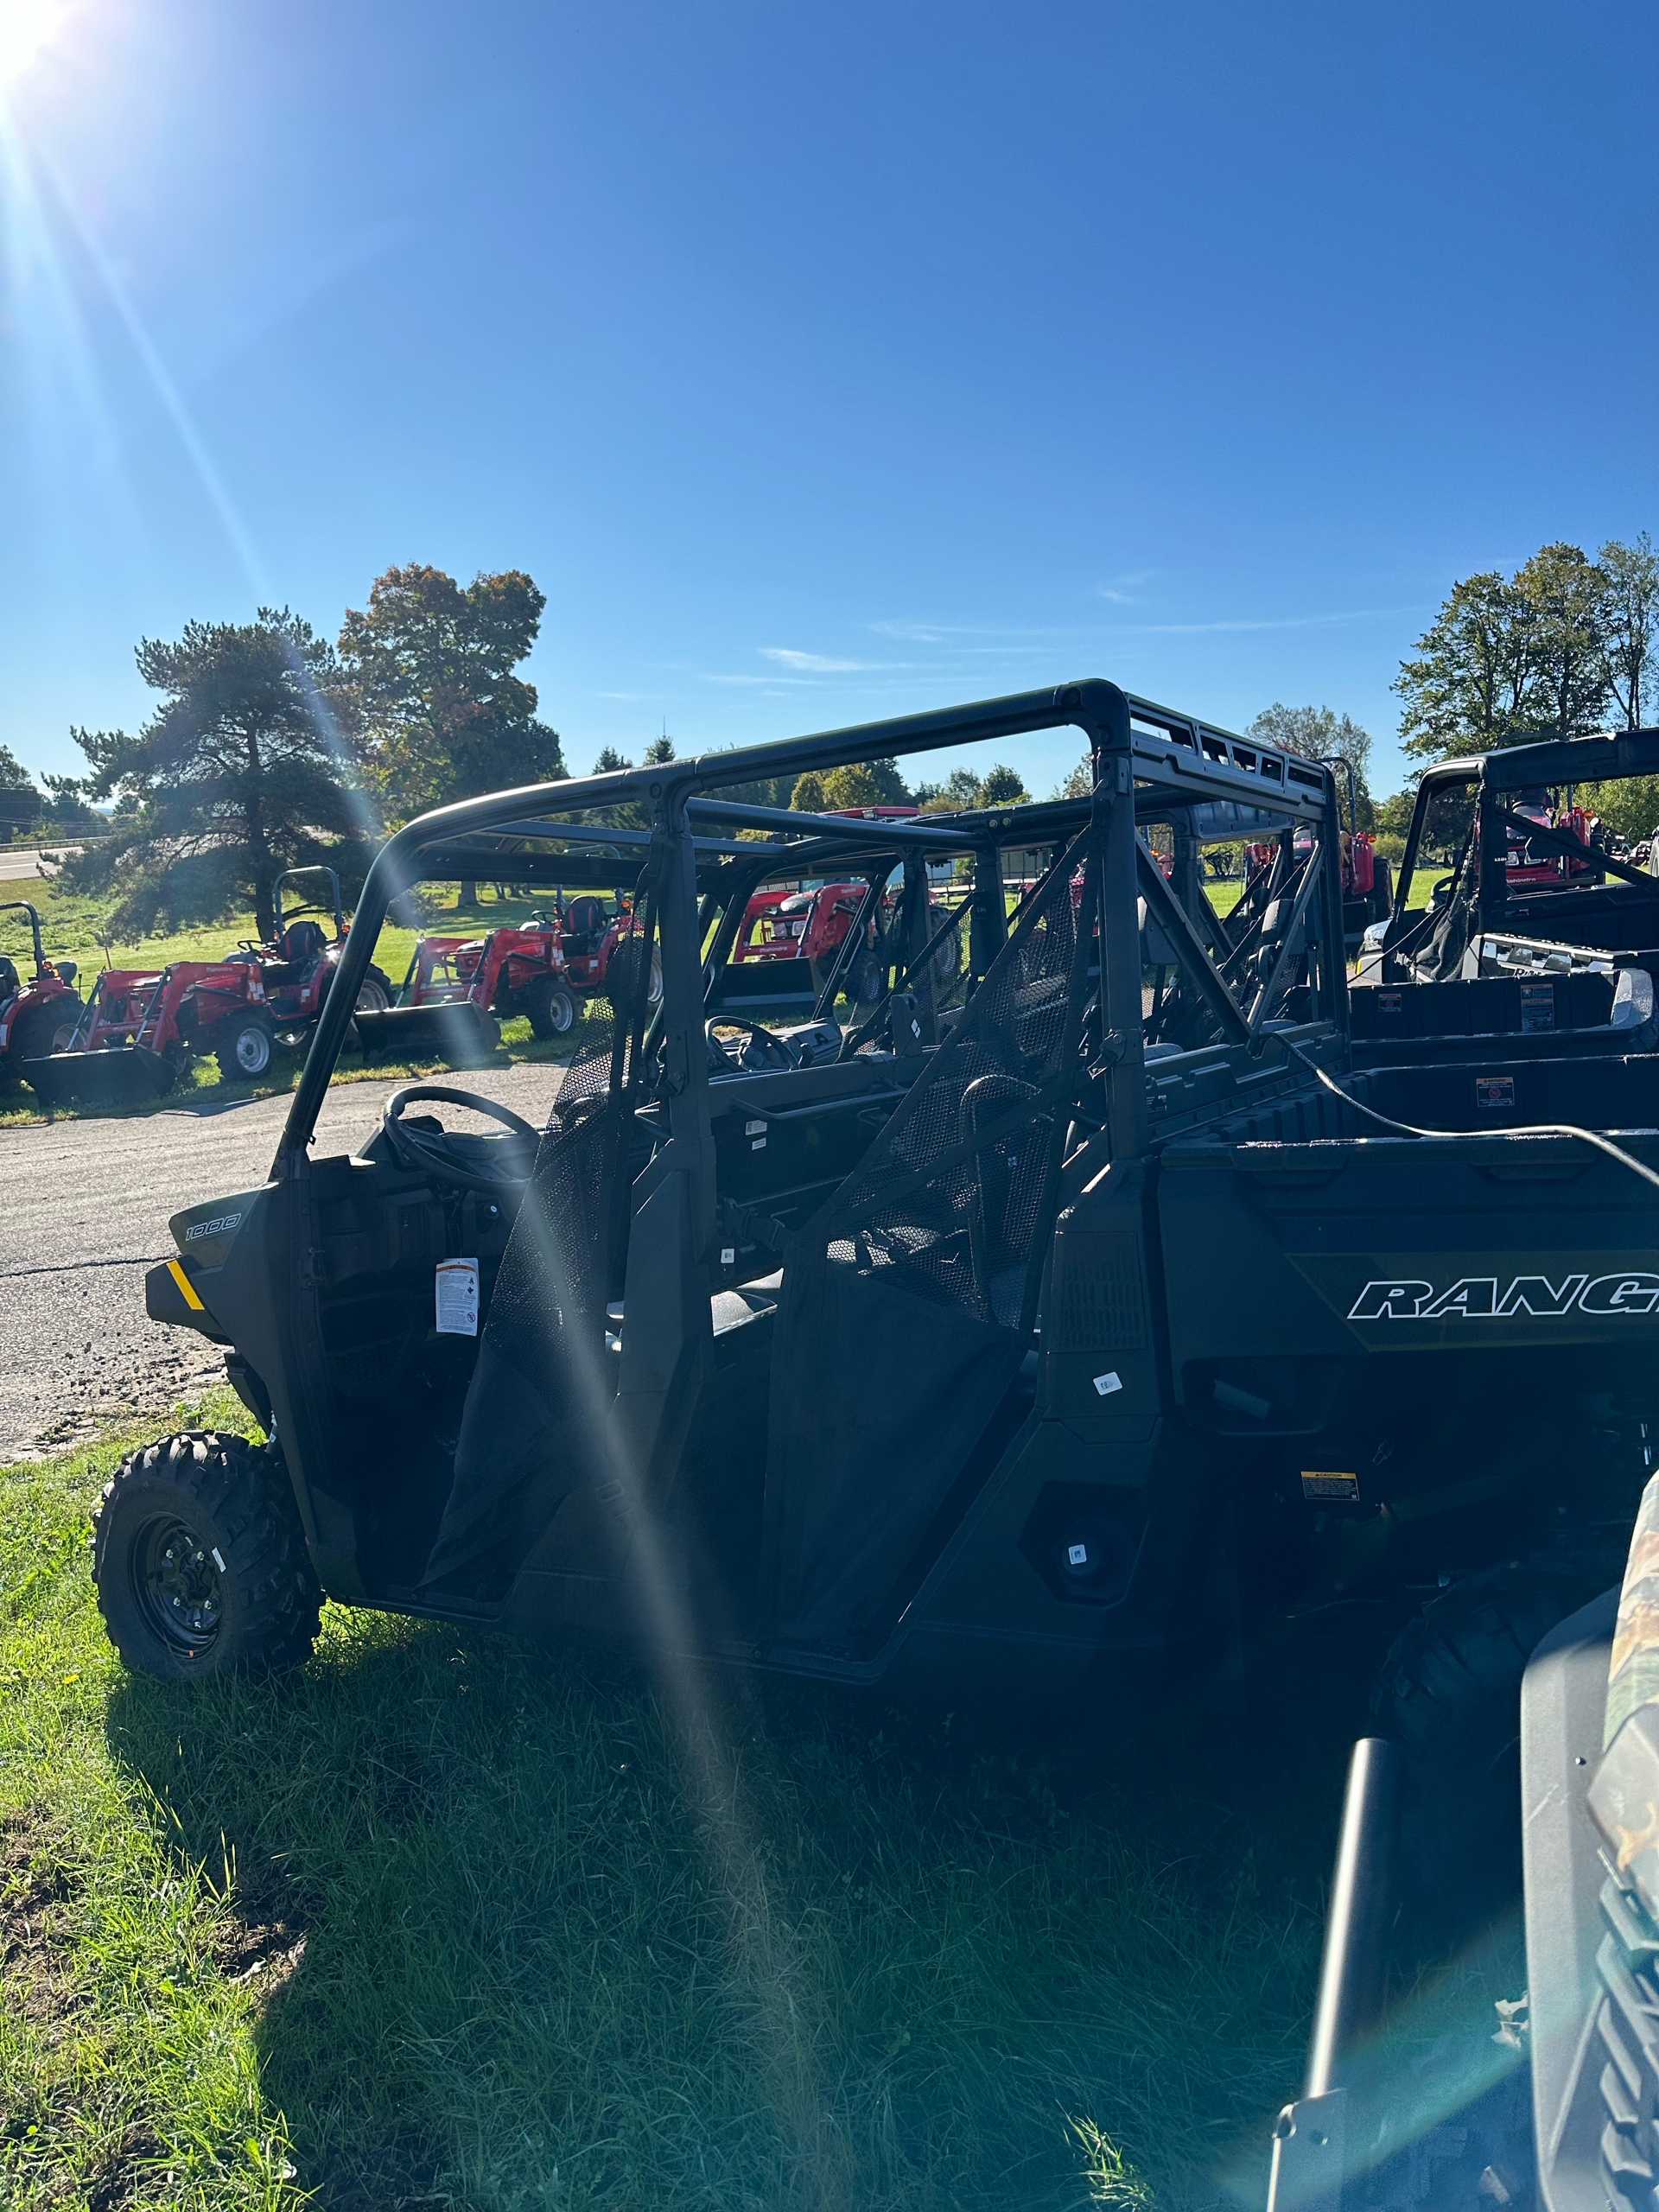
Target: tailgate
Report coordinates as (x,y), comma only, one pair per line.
(1402,1245)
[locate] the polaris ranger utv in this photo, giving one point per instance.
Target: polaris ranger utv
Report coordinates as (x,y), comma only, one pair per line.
(1039,1331)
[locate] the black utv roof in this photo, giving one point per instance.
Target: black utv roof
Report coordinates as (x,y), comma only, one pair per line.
(1179,767)
(1607,758)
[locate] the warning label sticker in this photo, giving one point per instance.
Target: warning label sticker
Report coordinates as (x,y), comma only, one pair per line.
(457,1314)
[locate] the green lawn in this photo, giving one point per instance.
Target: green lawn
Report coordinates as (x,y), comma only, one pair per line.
(442,1920)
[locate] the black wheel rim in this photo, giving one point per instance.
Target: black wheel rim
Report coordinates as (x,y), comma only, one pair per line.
(176,1581)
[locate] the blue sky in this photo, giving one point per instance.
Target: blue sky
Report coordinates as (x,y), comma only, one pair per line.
(820,363)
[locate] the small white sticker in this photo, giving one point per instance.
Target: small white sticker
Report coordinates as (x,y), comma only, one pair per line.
(915,1028)
(1078,1555)
(1107,1384)
(755,1128)
(759,1145)
(729,1255)
(219,1558)
(457,1297)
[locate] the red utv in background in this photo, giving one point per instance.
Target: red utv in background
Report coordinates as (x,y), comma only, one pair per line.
(36,1016)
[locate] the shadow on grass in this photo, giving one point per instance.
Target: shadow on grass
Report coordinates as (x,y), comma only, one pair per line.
(531,1948)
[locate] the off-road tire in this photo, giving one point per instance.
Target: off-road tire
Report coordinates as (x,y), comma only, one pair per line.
(1449,1694)
(622,970)
(373,996)
(229,1502)
(235,1056)
(39,1033)
(550,1007)
(374,992)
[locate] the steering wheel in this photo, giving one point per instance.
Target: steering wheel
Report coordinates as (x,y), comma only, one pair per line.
(427,1149)
(762,1050)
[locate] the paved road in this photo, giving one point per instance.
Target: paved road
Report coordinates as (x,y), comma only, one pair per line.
(84,1207)
(20,864)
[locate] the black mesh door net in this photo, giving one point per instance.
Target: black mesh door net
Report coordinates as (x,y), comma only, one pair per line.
(910,1300)
(536,1409)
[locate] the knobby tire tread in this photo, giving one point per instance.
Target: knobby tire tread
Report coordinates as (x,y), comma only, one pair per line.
(253,1509)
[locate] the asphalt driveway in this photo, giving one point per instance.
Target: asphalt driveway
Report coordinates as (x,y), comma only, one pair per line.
(84,1208)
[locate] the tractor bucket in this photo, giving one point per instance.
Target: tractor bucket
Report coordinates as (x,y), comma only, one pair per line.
(459,1033)
(124,1075)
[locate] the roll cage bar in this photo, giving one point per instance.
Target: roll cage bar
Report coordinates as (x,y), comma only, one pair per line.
(312,905)
(1495,777)
(1149,764)
(22,907)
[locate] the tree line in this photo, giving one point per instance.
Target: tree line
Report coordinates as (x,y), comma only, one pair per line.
(271,746)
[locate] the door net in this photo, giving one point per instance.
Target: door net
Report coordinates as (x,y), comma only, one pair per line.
(531,1428)
(910,1300)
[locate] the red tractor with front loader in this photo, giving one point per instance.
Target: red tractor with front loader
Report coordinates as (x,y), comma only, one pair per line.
(459,990)
(143,1027)
(37,1015)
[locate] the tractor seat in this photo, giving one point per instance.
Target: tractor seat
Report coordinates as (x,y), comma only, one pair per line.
(9,985)
(585,922)
(302,943)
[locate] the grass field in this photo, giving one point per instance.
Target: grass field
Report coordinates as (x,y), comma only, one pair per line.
(442,1920)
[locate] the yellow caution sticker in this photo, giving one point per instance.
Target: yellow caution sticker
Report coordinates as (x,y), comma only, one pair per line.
(186,1288)
(1337,1488)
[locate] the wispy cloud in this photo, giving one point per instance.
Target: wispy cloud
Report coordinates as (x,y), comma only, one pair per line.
(947,634)
(916,634)
(771,683)
(810,663)
(956,637)
(1272,622)
(1122,590)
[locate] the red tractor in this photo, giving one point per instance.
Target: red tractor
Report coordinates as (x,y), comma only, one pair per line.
(296,971)
(143,1027)
(35,1017)
(591,928)
(1527,869)
(459,990)
(811,922)
(803,925)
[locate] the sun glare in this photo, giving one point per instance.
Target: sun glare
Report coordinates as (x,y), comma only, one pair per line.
(26,26)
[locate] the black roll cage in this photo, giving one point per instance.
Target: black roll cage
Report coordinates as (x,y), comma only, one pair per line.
(1496,776)
(22,907)
(1149,764)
